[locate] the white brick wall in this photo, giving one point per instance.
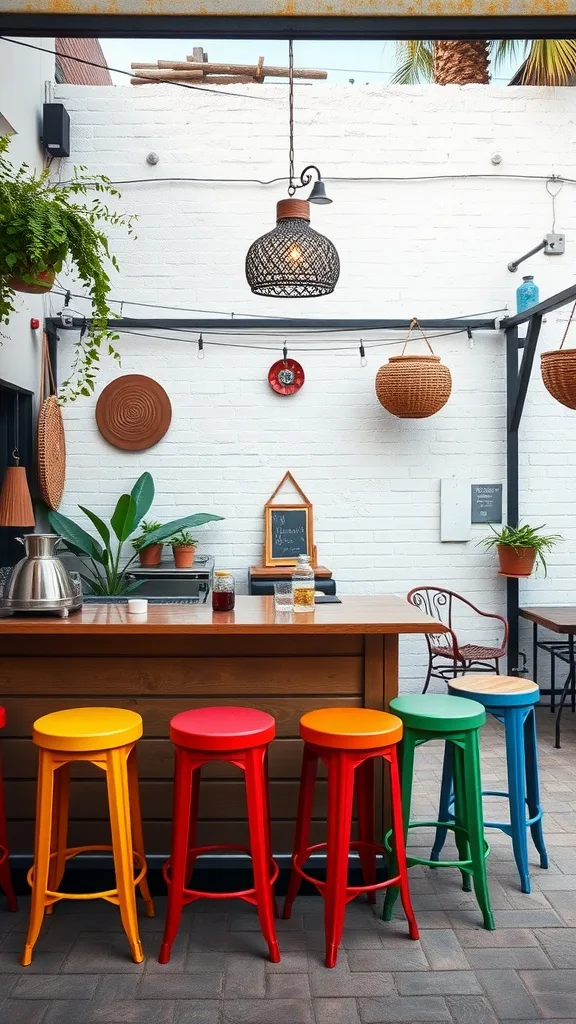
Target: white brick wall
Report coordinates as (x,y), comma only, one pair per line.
(425,248)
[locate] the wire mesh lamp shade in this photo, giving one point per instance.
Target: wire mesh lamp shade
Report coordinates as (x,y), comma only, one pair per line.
(292,261)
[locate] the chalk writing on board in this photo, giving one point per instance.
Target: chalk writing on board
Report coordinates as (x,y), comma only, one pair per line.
(289,533)
(486,503)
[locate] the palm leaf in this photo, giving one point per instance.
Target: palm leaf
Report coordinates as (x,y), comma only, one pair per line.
(97,522)
(143,494)
(76,537)
(550,62)
(416,62)
(123,520)
(157,536)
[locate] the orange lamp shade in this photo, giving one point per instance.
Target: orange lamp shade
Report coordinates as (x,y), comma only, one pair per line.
(15,501)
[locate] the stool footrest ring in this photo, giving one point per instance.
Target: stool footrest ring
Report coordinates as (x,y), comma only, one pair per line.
(111,895)
(352,891)
(464,865)
(505,826)
(190,895)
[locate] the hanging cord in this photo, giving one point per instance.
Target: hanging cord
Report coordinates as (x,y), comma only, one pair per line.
(570,319)
(415,324)
(45,365)
(16,449)
(554,180)
(291,185)
(285,353)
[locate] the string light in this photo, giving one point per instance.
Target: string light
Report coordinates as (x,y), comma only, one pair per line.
(201,347)
(363,360)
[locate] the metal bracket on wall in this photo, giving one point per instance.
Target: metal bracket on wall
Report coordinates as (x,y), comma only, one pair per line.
(554,244)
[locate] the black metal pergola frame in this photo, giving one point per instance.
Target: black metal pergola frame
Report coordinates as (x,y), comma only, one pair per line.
(518,374)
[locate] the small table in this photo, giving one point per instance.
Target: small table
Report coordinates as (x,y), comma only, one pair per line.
(558,619)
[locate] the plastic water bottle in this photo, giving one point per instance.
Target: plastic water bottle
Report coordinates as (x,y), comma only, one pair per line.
(527,294)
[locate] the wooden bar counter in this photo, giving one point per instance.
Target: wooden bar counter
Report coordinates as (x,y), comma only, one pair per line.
(185,656)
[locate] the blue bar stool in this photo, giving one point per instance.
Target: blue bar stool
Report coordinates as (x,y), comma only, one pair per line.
(512,701)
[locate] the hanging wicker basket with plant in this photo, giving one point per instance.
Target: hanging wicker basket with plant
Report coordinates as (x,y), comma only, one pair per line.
(46,225)
(521,548)
(559,370)
(414,386)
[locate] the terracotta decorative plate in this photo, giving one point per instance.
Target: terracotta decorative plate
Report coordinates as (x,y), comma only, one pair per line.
(133,412)
(286,376)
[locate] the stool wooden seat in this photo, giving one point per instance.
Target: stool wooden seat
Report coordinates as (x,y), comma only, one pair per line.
(512,701)
(240,736)
(5,877)
(458,722)
(348,740)
(105,737)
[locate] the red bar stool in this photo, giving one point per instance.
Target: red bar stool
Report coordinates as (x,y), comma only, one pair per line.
(5,879)
(347,740)
(240,736)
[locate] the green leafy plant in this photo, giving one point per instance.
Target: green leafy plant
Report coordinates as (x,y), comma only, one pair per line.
(523,536)
(103,572)
(183,539)
(141,541)
(43,225)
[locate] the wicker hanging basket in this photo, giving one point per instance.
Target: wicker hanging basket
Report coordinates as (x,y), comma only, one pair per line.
(51,441)
(559,371)
(414,387)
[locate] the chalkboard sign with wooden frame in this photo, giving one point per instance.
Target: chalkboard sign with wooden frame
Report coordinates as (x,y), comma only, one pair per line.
(288,528)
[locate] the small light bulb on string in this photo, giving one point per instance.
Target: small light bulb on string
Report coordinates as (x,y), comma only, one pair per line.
(285,352)
(363,360)
(470,337)
(201,352)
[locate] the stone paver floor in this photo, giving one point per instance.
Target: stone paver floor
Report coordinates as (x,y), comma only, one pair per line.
(457,972)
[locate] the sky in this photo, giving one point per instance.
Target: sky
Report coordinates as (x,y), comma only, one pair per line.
(365,61)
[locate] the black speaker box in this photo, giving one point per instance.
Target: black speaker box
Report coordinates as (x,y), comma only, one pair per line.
(56,129)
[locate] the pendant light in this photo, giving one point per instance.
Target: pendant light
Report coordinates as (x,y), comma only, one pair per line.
(15,501)
(293,261)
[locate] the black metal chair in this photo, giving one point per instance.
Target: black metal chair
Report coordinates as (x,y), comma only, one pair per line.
(444,647)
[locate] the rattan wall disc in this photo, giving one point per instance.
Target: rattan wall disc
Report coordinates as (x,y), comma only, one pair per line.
(559,375)
(413,387)
(51,444)
(133,412)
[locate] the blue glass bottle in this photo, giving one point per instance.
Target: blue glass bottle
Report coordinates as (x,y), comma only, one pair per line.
(527,294)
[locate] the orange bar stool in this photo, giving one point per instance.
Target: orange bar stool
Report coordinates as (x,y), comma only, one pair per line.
(348,740)
(5,879)
(105,737)
(241,737)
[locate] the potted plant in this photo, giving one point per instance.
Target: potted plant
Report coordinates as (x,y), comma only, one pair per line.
(104,574)
(45,224)
(149,554)
(183,549)
(521,548)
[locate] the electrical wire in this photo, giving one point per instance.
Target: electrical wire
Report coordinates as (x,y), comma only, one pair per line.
(345,177)
(120,71)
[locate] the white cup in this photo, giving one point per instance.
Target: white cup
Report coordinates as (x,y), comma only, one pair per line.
(137,606)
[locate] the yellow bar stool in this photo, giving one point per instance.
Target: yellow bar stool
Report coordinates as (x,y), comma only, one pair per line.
(105,737)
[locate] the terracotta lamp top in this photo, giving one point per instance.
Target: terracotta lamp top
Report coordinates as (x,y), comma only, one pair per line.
(293,208)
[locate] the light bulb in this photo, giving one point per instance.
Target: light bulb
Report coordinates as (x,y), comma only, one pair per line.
(295,254)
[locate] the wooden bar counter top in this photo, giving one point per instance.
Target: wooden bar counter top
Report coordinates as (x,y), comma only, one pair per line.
(184,656)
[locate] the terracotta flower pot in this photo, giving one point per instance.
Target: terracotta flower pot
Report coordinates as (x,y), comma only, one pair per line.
(43,282)
(183,556)
(150,556)
(516,561)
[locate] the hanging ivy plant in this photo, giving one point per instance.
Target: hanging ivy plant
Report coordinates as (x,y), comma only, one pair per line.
(43,225)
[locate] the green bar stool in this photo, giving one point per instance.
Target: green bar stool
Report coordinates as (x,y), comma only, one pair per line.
(458,721)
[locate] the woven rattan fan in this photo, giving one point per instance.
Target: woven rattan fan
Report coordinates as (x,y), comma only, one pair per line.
(51,441)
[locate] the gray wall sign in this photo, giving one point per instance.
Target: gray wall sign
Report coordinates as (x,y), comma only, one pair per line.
(486,503)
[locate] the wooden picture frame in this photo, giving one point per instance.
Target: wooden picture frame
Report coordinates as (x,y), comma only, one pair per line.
(297,524)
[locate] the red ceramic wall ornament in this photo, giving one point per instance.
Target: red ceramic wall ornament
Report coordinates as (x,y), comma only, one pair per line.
(286,377)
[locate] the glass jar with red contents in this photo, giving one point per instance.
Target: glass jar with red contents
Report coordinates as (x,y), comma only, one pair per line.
(223,591)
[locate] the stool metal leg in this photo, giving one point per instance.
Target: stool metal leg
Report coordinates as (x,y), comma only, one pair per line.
(408,748)
(122,848)
(461,835)
(514,732)
(475,823)
(44,803)
(183,772)
(399,845)
(193,826)
(303,819)
(137,832)
(445,796)
(59,837)
(364,784)
(533,786)
(340,801)
(257,804)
